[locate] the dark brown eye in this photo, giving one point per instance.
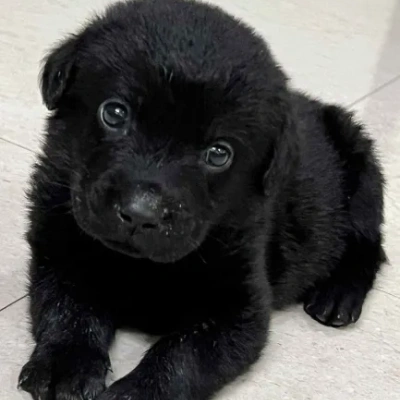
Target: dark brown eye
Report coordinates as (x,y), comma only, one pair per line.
(114,114)
(219,155)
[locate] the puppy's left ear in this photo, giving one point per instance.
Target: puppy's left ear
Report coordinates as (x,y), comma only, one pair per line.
(285,155)
(56,75)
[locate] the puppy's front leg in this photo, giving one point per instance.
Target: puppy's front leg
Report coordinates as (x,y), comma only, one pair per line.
(195,363)
(70,360)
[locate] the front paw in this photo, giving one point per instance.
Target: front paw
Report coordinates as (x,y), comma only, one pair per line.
(67,373)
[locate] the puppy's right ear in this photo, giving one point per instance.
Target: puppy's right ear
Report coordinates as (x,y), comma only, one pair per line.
(56,75)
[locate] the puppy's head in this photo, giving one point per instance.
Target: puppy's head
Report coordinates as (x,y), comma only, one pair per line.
(168,113)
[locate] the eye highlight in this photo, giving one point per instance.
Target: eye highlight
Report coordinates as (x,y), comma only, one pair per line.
(219,156)
(114,114)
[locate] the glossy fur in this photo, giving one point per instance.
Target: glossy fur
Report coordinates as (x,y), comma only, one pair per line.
(296,217)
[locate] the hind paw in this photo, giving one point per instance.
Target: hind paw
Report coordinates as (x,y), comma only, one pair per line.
(335,304)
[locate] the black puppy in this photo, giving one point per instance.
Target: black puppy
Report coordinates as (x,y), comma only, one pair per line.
(184,190)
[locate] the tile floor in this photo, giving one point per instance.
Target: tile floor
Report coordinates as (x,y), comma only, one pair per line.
(349,55)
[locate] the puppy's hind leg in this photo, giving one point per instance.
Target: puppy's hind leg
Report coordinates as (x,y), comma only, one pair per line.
(338,300)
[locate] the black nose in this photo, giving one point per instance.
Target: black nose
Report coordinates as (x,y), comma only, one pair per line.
(141,210)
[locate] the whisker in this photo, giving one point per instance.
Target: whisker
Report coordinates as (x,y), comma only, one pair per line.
(196,246)
(64,186)
(218,240)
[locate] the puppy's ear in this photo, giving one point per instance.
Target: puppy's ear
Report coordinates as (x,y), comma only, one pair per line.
(285,155)
(56,74)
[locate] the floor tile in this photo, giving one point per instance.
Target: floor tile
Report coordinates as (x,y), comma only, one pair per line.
(330,49)
(15,343)
(14,170)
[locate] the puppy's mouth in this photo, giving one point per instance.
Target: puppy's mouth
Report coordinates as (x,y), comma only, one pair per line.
(123,247)
(162,253)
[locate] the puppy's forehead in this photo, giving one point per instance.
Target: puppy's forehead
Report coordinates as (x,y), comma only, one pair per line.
(165,98)
(186,69)
(146,39)
(120,59)
(198,39)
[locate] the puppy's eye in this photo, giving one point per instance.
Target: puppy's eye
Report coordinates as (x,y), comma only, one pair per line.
(219,155)
(114,114)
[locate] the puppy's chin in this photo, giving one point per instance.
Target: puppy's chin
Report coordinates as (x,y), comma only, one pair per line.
(153,253)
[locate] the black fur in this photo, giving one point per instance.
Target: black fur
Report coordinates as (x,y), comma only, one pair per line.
(296,217)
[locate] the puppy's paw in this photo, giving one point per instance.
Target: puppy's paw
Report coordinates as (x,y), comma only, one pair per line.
(335,304)
(35,378)
(64,375)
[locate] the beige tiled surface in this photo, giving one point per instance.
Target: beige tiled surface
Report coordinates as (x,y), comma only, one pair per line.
(14,170)
(338,50)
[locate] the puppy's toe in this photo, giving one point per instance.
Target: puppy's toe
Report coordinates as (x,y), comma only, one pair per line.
(318,307)
(35,379)
(334,305)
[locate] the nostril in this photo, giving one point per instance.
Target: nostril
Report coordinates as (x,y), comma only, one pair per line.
(125,217)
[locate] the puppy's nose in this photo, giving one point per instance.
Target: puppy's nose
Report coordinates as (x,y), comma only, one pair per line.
(141,210)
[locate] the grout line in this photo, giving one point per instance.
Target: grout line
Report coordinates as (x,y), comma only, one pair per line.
(388,293)
(18,145)
(376,90)
(13,302)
